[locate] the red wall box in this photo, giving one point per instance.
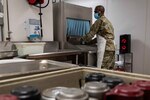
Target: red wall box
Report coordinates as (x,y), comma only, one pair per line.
(33,2)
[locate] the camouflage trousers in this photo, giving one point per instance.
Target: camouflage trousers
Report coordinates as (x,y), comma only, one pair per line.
(108,60)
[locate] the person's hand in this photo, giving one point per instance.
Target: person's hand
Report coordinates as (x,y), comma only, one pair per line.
(92,42)
(82,42)
(78,39)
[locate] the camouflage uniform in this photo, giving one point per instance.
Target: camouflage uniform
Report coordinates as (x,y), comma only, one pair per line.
(104,28)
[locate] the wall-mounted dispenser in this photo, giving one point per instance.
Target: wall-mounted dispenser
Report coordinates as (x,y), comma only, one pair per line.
(33,28)
(38,3)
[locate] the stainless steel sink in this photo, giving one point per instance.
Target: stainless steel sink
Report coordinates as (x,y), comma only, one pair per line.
(20,67)
(31,66)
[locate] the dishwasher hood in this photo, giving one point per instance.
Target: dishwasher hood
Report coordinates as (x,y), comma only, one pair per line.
(70,21)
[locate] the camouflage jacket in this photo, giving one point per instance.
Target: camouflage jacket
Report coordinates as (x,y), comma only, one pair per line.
(104,28)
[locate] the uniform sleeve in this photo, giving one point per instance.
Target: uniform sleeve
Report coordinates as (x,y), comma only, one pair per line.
(93,30)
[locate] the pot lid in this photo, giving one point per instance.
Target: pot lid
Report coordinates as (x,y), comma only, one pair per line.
(127,90)
(94,77)
(72,94)
(112,80)
(144,85)
(97,75)
(52,92)
(96,87)
(24,90)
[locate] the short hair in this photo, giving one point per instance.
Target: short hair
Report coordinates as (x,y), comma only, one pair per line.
(101,8)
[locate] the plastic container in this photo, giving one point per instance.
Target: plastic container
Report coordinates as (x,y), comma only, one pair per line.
(94,77)
(125,92)
(144,86)
(96,90)
(8,97)
(72,94)
(26,93)
(30,48)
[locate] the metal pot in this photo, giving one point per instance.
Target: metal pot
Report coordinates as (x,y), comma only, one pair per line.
(51,93)
(94,77)
(26,93)
(96,90)
(72,94)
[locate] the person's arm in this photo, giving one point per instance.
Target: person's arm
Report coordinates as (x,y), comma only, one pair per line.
(93,30)
(92,42)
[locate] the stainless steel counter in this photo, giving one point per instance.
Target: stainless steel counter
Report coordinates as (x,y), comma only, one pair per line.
(88,51)
(58,53)
(18,67)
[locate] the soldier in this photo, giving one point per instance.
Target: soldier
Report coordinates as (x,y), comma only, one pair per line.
(105,39)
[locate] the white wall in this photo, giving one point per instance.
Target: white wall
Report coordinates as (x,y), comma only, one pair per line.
(20,11)
(0,35)
(147,42)
(129,16)
(1,1)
